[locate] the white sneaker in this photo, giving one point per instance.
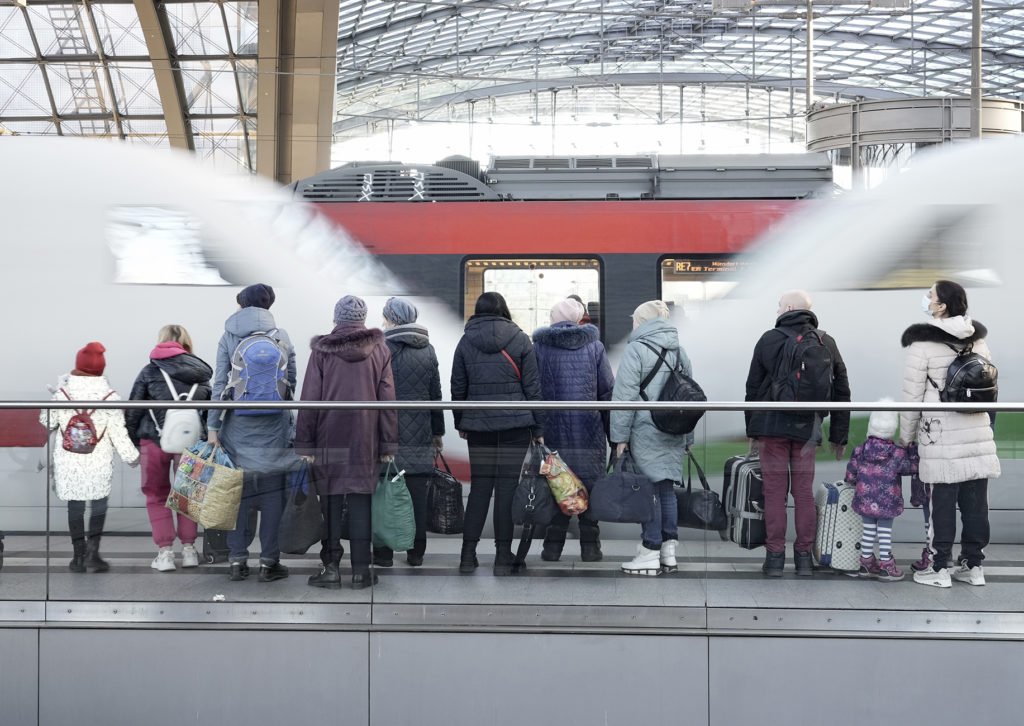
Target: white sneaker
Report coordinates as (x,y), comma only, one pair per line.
(668,556)
(933,578)
(970,575)
(189,556)
(646,562)
(164,560)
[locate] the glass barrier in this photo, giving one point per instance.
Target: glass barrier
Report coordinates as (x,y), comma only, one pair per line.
(63,545)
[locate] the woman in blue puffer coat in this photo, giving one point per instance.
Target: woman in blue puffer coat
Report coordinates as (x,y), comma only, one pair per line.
(574,367)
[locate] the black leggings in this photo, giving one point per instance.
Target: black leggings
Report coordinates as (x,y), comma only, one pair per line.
(495,459)
(76,518)
(333,507)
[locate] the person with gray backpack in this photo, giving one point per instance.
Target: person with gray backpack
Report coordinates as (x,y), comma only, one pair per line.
(172,374)
(256,362)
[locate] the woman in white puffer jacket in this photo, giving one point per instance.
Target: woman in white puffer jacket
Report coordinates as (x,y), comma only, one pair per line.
(958,451)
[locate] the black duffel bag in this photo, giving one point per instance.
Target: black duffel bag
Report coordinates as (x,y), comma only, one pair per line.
(446,513)
(532,501)
(623,495)
(700,509)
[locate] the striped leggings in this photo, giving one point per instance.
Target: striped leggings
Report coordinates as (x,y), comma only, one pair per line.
(880,529)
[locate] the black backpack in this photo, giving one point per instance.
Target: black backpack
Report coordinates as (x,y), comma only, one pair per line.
(804,368)
(679,387)
(970,378)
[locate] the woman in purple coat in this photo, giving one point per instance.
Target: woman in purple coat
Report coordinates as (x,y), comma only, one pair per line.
(351,363)
(574,367)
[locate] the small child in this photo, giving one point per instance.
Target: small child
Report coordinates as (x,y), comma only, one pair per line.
(876,467)
(83,459)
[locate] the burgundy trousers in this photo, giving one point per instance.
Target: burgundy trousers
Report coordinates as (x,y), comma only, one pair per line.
(787,466)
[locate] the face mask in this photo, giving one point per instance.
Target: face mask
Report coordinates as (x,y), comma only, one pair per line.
(925,305)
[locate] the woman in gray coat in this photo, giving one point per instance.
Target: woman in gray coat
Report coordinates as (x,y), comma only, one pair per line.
(658,456)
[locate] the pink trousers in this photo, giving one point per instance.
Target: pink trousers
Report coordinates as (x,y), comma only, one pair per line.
(157,469)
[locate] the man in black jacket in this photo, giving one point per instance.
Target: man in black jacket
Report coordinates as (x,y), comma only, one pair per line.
(786,441)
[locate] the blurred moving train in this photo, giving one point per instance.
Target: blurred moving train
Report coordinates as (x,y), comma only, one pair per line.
(156,239)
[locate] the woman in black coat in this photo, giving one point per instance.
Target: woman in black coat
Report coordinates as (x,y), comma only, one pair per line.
(494,361)
(417,378)
(173,356)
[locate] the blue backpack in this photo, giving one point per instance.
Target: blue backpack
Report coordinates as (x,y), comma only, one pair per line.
(258,372)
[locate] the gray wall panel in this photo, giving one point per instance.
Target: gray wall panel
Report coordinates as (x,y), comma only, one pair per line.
(19,671)
(849,682)
(464,679)
(171,677)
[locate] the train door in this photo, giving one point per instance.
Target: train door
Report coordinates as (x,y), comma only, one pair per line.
(531,286)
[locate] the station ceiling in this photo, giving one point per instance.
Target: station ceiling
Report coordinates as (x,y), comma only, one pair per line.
(185,73)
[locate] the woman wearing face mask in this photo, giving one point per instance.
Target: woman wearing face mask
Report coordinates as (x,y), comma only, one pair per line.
(957,450)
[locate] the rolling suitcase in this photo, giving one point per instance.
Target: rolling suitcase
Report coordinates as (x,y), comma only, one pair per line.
(837,543)
(215,541)
(743,498)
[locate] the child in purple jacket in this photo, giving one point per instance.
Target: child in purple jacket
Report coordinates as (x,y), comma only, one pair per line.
(877,466)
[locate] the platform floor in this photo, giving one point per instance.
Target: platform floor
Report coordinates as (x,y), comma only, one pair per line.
(712,574)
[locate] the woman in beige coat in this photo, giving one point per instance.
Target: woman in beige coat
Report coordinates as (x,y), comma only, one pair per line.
(958,452)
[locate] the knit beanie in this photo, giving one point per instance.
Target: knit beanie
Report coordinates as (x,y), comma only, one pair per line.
(649,311)
(884,424)
(568,311)
(90,359)
(256,296)
(350,309)
(399,312)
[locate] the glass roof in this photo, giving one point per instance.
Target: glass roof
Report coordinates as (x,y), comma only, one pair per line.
(84,69)
(430,60)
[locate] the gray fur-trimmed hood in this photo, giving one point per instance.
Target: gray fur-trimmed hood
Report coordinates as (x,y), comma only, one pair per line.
(930,333)
(349,341)
(569,336)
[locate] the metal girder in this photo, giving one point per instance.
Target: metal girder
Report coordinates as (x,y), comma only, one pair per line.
(268,66)
(167,72)
(609,80)
(871,39)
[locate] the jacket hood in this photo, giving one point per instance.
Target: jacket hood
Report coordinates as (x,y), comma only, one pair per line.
(797,319)
(85,388)
(185,367)
(958,329)
(566,335)
(658,332)
(247,321)
(349,341)
(490,333)
(877,450)
(413,335)
(168,349)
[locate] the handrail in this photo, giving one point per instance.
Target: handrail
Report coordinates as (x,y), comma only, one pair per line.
(527,405)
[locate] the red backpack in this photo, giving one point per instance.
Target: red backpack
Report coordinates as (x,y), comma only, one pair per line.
(80,433)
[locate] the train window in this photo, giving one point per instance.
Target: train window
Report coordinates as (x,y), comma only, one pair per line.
(531,286)
(690,282)
(158,246)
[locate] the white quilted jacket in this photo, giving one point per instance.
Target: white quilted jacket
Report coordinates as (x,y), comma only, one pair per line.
(87,476)
(954,447)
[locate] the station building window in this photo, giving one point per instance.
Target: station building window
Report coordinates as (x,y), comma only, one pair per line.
(531,286)
(692,281)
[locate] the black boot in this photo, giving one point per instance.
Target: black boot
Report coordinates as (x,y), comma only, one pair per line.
(383,557)
(415,556)
(804,565)
(329,577)
(93,561)
(552,551)
(504,560)
(468,561)
(77,563)
(774,563)
(364,579)
(272,572)
(591,551)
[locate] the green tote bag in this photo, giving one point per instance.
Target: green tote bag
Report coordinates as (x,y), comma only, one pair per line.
(394,524)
